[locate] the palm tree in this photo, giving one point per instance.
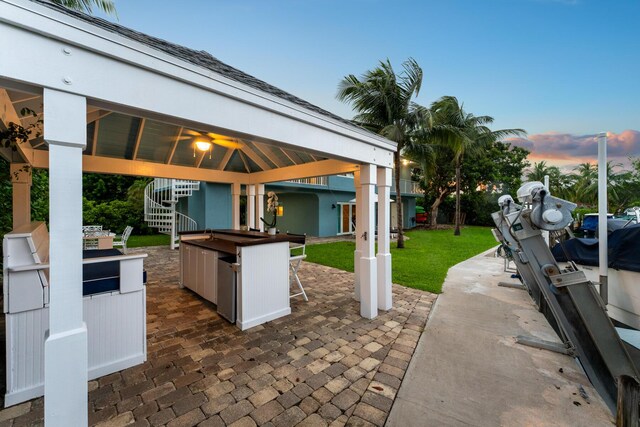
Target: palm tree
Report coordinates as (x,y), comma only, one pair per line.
(539,170)
(463,131)
(384,104)
(560,184)
(617,186)
(87,5)
(586,181)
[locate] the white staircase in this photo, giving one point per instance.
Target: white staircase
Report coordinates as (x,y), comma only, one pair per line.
(160,198)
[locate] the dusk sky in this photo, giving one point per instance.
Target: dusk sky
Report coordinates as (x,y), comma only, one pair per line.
(561,69)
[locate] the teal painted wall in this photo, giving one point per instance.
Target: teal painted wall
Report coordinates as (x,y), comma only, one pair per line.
(217,205)
(300,213)
(210,206)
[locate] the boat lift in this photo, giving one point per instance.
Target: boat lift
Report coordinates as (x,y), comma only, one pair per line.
(567,299)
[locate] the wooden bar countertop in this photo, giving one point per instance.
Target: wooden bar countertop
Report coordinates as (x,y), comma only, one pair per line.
(229,240)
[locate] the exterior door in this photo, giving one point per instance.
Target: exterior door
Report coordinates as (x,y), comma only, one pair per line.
(347,218)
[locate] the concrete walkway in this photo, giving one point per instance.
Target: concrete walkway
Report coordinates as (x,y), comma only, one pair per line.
(468,370)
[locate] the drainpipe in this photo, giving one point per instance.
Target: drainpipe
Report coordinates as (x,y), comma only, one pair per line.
(602,217)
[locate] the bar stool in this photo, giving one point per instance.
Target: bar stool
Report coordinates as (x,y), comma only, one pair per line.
(294,265)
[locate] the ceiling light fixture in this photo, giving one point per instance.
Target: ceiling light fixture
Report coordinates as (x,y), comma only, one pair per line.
(203,146)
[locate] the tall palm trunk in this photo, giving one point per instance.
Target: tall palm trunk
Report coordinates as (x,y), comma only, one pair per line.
(457,215)
(396,171)
(433,220)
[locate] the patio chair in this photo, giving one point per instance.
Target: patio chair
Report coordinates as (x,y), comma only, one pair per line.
(123,238)
(294,265)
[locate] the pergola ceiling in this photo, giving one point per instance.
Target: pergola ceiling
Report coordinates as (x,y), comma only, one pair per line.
(117,135)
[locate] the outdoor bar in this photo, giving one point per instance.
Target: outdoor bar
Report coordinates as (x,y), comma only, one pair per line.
(260,264)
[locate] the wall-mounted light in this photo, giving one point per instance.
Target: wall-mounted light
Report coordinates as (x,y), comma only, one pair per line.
(405,162)
(280,210)
(333,205)
(203,146)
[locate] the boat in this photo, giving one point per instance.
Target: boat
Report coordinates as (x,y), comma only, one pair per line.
(623,271)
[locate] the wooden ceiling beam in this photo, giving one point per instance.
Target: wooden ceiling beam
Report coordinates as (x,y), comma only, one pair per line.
(138,138)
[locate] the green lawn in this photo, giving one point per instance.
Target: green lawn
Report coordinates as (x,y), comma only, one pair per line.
(425,260)
(148,240)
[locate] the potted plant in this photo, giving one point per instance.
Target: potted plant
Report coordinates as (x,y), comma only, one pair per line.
(272,207)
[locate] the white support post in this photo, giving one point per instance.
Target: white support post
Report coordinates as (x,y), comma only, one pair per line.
(384,229)
(603,209)
(357,254)
(21,180)
(65,351)
(368,270)
(174,233)
(236,190)
(251,206)
(259,206)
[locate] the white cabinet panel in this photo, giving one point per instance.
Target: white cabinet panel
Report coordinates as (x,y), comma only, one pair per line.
(199,271)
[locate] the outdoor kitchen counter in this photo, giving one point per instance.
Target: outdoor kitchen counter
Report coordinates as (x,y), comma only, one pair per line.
(229,240)
(261,270)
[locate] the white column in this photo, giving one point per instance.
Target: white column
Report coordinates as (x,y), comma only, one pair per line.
(384,252)
(21,180)
(368,276)
(251,206)
(235,205)
(259,206)
(603,209)
(65,351)
(357,254)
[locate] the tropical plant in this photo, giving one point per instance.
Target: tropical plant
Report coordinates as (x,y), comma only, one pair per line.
(87,5)
(560,184)
(463,132)
(539,170)
(384,103)
(272,208)
(488,173)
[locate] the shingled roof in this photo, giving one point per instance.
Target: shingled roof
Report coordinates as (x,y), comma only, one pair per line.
(200,58)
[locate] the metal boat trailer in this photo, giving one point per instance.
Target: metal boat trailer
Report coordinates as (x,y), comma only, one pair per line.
(568,300)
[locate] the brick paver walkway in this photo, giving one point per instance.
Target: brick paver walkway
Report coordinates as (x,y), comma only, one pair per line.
(322,365)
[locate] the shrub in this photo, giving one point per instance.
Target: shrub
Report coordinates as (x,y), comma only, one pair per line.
(115,215)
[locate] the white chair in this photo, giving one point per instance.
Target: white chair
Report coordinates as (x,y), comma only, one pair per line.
(123,238)
(294,265)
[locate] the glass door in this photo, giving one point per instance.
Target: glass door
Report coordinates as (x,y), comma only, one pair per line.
(347,218)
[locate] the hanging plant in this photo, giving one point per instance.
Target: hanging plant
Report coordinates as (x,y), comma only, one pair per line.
(15,134)
(272,207)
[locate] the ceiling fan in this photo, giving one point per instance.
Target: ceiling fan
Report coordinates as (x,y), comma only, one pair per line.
(203,140)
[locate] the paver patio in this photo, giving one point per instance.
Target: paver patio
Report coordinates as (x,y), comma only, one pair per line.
(322,365)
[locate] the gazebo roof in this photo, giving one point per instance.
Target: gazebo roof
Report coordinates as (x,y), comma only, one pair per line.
(200,58)
(149,101)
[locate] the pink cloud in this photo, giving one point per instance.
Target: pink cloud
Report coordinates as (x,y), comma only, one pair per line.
(566,148)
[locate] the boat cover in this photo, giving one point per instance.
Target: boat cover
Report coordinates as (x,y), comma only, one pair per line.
(624,247)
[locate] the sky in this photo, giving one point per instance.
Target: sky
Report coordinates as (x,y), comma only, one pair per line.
(563,70)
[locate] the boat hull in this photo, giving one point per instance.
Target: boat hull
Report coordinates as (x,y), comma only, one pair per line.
(623,295)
